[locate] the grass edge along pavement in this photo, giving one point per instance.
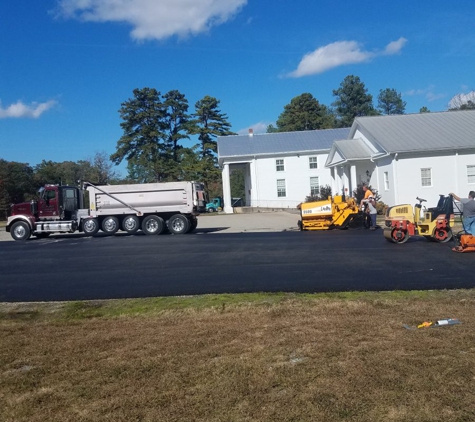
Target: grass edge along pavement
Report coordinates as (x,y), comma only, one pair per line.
(111,308)
(245,357)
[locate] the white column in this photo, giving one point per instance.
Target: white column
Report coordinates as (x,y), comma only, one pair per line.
(247,185)
(228,209)
(353,182)
(253,182)
(337,181)
(333,185)
(395,179)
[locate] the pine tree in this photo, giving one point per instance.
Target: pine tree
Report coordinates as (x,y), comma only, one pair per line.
(390,102)
(352,101)
(208,124)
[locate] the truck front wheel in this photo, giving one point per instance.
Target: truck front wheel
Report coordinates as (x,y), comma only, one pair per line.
(20,231)
(152,224)
(178,224)
(90,226)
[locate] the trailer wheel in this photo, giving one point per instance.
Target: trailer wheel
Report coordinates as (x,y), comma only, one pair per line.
(90,226)
(20,231)
(110,225)
(152,224)
(130,224)
(178,224)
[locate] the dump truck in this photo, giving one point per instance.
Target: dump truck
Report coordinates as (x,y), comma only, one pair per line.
(150,207)
(335,212)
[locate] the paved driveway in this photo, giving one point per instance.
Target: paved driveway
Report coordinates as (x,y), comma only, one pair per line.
(74,267)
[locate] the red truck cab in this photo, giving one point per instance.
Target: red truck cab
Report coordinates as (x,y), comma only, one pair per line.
(54,206)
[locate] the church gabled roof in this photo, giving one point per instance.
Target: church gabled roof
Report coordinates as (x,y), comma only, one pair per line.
(235,146)
(449,130)
(348,150)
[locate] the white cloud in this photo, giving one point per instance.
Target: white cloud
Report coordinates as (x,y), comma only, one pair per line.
(332,55)
(429,93)
(154,19)
(340,53)
(395,47)
(259,127)
(20,110)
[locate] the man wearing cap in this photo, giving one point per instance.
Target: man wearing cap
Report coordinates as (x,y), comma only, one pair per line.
(468,211)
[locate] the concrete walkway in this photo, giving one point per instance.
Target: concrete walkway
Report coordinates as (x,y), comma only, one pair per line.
(255,222)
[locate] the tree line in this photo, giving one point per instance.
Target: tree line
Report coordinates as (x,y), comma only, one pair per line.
(155,127)
(351,100)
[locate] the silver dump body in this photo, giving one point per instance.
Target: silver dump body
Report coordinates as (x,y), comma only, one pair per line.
(147,198)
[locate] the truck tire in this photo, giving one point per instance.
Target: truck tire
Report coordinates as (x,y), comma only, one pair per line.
(211,209)
(178,224)
(130,224)
(90,226)
(152,224)
(110,225)
(20,231)
(193,224)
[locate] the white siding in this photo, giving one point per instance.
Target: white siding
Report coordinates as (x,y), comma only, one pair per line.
(297,175)
(449,174)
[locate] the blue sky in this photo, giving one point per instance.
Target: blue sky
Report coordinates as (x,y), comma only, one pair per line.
(66,66)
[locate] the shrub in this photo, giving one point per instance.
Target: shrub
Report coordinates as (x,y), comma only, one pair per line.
(323,193)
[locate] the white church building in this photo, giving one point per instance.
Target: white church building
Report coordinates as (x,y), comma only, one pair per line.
(402,156)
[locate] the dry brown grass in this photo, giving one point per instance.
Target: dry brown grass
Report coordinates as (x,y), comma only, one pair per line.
(303,359)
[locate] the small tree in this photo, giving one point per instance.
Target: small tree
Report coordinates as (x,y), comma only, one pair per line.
(237,182)
(323,193)
(469,105)
(305,113)
(390,102)
(16,184)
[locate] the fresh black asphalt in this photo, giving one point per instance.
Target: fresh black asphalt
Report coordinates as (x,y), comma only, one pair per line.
(74,267)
